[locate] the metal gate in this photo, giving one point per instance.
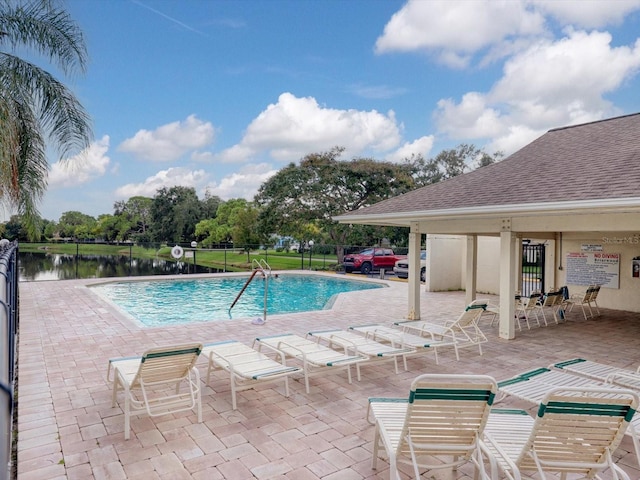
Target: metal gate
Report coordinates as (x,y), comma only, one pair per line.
(532,268)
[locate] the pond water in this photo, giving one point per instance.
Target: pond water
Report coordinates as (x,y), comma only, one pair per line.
(47,266)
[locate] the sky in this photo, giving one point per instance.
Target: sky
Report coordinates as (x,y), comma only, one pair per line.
(219,95)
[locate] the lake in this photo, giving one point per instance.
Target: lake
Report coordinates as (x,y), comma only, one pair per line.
(54,266)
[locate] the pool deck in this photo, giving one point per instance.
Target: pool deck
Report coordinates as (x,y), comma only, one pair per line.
(68,429)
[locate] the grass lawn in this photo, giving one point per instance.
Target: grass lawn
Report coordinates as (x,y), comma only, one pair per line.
(231,259)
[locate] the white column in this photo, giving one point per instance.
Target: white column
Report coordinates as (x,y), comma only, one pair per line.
(507,284)
(472,268)
(414,272)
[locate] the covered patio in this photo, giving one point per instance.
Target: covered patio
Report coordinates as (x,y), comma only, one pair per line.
(575,188)
(68,430)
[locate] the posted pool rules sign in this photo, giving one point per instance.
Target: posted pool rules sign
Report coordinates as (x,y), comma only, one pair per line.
(586,268)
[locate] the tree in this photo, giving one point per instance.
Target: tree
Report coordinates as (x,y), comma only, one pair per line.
(235,221)
(450,163)
(174,213)
(37,112)
(245,231)
(135,214)
(14,229)
(210,204)
(323,186)
(76,225)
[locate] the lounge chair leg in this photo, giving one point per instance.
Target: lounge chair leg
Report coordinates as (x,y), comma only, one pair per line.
(376,446)
(114,395)
(233,391)
(127,414)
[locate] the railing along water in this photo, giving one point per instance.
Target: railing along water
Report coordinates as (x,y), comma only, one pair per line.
(8,336)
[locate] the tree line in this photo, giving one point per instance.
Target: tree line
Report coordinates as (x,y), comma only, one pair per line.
(298,202)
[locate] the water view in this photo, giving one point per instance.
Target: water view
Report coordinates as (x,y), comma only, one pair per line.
(53,266)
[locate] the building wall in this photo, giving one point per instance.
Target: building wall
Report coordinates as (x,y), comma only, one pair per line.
(445,255)
(488,278)
(627,245)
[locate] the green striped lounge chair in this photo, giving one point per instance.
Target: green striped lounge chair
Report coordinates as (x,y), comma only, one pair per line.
(163,380)
(315,358)
(461,332)
(356,344)
(575,432)
(438,426)
(246,366)
(602,372)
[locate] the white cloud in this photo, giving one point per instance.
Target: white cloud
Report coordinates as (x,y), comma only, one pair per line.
(82,168)
(165,178)
(471,118)
(421,146)
(244,183)
(294,127)
(455,30)
(552,83)
(567,70)
(587,14)
(171,141)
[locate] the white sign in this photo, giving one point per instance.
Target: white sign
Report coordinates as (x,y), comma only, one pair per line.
(587,268)
(591,247)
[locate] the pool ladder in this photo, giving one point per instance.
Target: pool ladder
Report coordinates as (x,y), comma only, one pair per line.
(258,266)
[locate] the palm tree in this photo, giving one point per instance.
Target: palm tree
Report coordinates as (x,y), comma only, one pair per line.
(37,112)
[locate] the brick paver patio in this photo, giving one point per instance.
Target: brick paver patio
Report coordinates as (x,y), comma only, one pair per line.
(68,429)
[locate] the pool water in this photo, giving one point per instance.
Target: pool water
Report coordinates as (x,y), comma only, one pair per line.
(157,303)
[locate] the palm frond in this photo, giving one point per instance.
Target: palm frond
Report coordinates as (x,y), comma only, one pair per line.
(42,27)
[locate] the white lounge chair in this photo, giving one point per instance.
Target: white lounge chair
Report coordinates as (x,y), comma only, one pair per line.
(354,344)
(576,431)
(621,377)
(550,301)
(526,306)
(462,332)
(152,383)
(438,426)
(534,385)
(246,366)
(315,358)
(586,300)
(400,339)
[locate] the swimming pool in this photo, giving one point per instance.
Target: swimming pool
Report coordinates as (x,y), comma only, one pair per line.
(157,303)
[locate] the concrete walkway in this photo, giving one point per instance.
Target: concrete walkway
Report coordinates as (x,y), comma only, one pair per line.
(68,429)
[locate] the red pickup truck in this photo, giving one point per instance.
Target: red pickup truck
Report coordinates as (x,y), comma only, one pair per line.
(371,259)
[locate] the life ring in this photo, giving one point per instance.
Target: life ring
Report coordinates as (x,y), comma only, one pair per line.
(177,252)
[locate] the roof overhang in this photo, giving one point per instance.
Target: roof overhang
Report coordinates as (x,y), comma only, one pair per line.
(621,214)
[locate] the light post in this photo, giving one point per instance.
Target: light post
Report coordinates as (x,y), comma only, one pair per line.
(194,244)
(301,247)
(310,250)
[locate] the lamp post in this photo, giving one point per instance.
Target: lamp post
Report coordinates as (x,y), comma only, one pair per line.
(194,244)
(301,247)
(310,250)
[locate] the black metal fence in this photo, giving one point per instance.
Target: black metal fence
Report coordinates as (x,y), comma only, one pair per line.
(8,336)
(98,260)
(533,260)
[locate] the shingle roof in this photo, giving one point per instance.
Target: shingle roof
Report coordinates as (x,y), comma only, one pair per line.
(592,161)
